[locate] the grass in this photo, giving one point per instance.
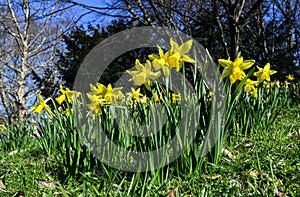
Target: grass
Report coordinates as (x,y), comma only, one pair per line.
(253,164)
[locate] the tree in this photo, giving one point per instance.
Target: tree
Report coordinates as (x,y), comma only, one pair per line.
(284,34)
(30,34)
(261,29)
(80,41)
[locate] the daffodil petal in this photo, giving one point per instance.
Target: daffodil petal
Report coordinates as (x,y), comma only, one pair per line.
(186,47)
(267,66)
(226,74)
(225,63)
(166,71)
(138,65)
(247,64)
(186,58)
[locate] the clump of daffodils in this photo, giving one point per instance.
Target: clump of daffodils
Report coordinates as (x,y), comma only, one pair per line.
(143,74)
(173,58)
(236,72)
(156,66)
(67,95)
(101,95)
(251,87)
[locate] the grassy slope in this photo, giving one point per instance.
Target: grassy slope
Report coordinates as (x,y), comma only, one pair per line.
(265,164)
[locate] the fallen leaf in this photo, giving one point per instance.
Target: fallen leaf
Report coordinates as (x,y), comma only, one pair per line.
(249,144)
(46,161)
(254,173)
(281,193)
(228,153)
(117,186)
(173,192)
(30,164)
(50,185)
(265,174)
(211,177)
(235,182)
(13,152)
(2,186)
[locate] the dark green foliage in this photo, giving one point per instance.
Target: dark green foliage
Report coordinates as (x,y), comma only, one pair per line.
(81,41)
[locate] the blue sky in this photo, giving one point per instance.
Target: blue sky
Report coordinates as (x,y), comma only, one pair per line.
(99,3)
(94,18)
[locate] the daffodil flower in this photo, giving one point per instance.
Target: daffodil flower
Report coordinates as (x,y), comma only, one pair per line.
(175,97)
(113,94)
(290,77)
(96,103)
(161,61)
(102,95)
(143,100)
(235,70)
(287,84)
(3,127)
(99,90)
(275,83)
(178,54)
(250,85)
(109,94)
(143,74)
(254,92)
(135,94)
(65,112)
(38,108)
(67,94)
(264,73)
(156,97)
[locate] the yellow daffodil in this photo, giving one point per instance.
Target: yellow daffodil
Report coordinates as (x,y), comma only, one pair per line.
(109,94)
(3,127)
(178,54)
(264,73)
(277,83)
(235,70)
(102,95)
(67,94)
(250,85)
(32,121)
(143,100)
(254,92)
(173,58)
(267,84)
(161,61)
(65,112)
(99,90)
(135,94)
(113,94)
(38,108)
(156,97)
(96,103)
(287,84)
(290,77)
(175,97)
(143,74)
